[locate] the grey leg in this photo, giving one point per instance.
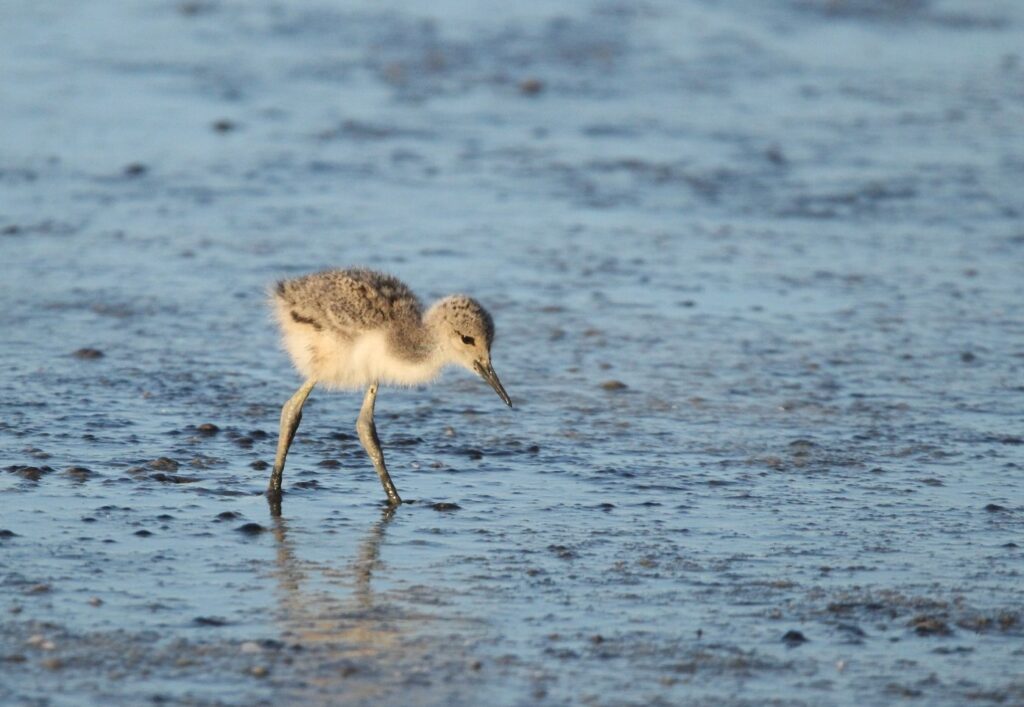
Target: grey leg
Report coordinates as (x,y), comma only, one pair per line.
(291,416)
(371,443)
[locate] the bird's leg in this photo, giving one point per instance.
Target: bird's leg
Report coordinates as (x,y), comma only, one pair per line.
(291,416)
(371,443)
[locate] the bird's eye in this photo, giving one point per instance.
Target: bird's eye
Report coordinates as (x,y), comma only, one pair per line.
(468,340)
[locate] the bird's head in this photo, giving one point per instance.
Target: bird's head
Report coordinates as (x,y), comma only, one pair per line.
(466,332)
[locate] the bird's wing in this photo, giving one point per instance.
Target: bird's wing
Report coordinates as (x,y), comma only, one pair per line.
(348,301)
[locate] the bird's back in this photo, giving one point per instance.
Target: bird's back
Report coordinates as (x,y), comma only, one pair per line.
(347,302)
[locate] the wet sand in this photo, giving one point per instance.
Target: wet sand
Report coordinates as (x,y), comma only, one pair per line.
(757,273)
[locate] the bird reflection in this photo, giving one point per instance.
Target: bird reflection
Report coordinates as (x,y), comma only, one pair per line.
(340,636)
(322,616)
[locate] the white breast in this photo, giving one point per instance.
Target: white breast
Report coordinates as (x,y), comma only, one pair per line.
(337,362)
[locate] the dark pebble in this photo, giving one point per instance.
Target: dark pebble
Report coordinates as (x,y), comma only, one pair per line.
(209,621)
(851,630)
(614,385)
(775,155)
(164,464)
(30,473)
(173,478)
(562,551)
(193,7)
(5,533)
(329,464)
(88,354)
(258,434)
(474,454)
(968,357)
(445,507)
(135,169)
(79,473)
(207,429)
(224,125)
(251,529)
(531,86)
(793,638)
(227,515)
(143,533)
(995,508)
(258,465)
(929,626)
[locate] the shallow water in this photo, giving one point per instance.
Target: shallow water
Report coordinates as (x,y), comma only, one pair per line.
(792,231)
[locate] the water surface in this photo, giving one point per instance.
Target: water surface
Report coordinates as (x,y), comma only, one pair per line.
(757,273)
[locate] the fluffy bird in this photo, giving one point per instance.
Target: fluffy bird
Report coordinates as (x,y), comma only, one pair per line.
(357,328)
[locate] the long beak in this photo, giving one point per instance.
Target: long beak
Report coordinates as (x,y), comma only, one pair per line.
(486,372)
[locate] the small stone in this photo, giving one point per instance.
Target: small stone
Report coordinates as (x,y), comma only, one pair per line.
(79,473)
(446,507)
(793,638)
(209,621)
(258,671)
(135,169)
(251,647)
(143,533)
(531,86)
(968,357)
(173,478)
(995,508)
(924,625)
(227,515)
(5,533)
(29,473)
(41,588)
(164,464)
(258,465)
(95,601)
(53,663)
(613,385)
(251,529)
(223,125)
(88,354)
(207,429)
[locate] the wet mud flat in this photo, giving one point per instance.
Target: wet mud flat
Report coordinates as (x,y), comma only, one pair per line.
(757,274)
